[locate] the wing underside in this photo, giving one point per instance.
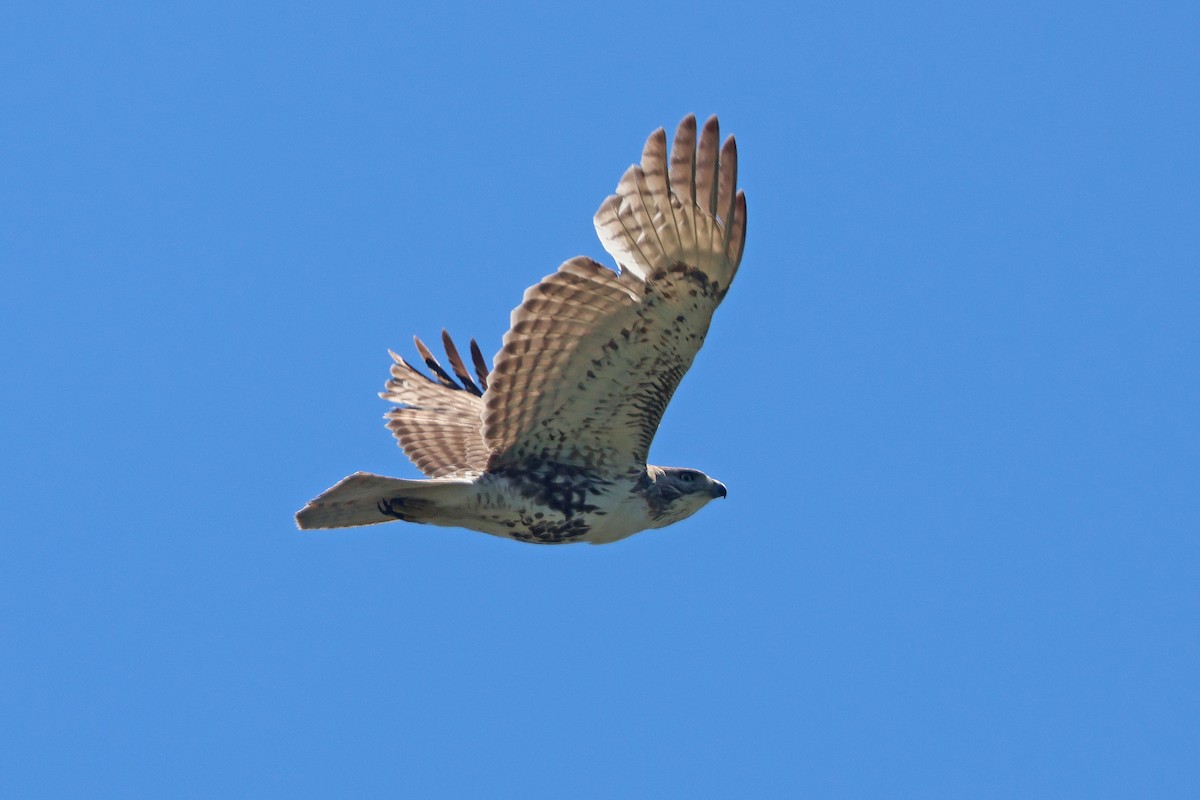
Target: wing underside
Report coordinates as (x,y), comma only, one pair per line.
(438,421)
(593,356)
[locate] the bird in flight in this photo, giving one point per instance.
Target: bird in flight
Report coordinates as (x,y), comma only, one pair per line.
(550,445)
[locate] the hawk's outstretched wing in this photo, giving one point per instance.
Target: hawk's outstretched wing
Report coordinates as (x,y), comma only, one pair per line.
(592,357)
(438,423)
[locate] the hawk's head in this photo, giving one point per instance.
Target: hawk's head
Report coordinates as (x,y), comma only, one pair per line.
(676,493)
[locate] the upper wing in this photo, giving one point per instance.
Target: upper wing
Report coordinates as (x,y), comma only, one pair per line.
(439,423)
(593,357)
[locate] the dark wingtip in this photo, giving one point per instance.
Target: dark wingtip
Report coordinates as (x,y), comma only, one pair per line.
(443,377)
(481,367)
(456,364)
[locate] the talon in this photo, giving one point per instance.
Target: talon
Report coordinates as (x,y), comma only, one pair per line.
(388,507)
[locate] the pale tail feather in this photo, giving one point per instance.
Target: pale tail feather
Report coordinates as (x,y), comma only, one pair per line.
(366,499)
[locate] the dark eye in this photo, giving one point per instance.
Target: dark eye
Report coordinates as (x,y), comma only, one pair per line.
(687,477)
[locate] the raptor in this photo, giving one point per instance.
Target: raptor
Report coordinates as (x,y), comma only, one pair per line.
(549,445)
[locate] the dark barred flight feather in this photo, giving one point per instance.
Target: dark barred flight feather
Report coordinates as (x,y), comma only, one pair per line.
(456,363)
(481,367)
(433,365)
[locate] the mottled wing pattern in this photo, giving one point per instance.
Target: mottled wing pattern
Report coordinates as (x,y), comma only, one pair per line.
(438,423)
(592,357)
(560,376)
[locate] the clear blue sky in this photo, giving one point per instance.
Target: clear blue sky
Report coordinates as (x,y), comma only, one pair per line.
(953,394)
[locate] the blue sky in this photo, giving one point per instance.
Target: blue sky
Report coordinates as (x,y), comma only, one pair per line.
(953,395)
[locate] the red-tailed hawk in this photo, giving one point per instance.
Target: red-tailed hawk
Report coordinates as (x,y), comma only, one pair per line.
(550,445)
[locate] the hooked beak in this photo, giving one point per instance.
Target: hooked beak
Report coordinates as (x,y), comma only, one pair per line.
(718,489)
